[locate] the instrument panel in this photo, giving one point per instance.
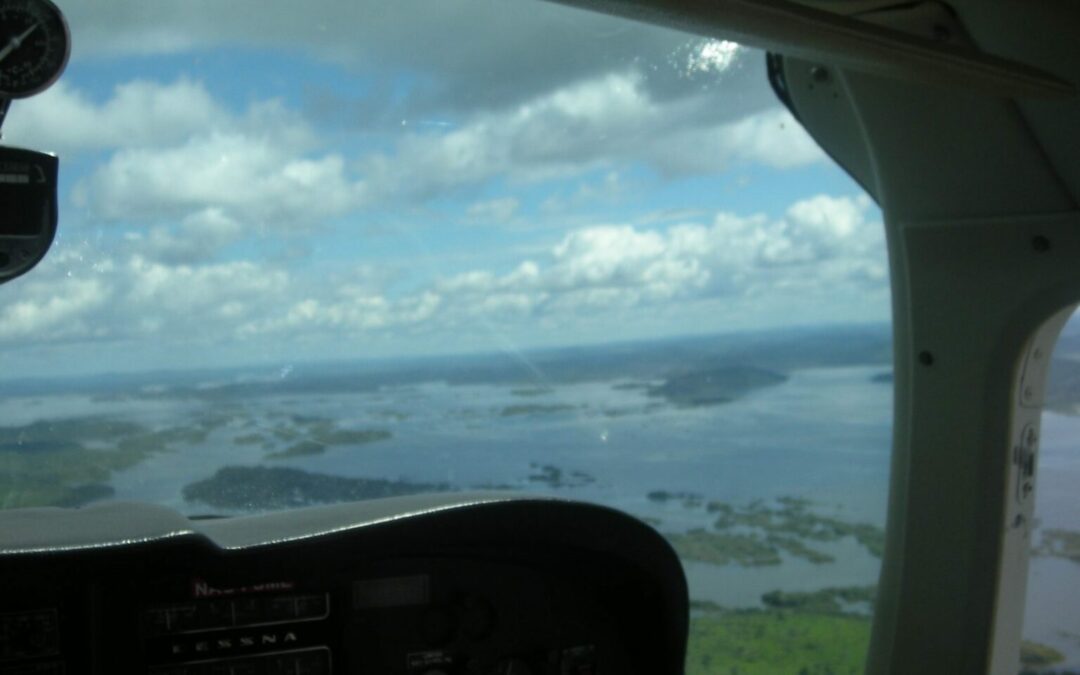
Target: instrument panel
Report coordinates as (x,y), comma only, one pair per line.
(466,585)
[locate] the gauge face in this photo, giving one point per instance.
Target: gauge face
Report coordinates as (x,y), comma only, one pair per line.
(34,46)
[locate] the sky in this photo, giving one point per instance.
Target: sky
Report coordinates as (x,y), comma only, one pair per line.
(279,182)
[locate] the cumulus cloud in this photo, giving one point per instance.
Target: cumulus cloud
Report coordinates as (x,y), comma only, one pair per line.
(139,113)
(523,51)
(601,122)
(823,248)
(499,210)
(49,312)
(254,178)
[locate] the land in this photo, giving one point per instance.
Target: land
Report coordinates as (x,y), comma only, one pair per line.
(689,500)
(747,550)
(68,462)
(1059,543)
(793,518)
(318,442)
(258,488)
(714,386)
(844,600)
(556,477)
(535,409)
(631,364)
(824,632)
(768,642)
(757,533)
(531,391)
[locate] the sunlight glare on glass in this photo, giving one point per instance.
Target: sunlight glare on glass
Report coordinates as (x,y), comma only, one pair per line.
(712,56)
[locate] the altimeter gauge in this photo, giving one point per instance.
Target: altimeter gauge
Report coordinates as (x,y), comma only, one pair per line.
(34,46)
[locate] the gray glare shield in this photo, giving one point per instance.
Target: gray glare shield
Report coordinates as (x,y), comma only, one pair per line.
(28,212)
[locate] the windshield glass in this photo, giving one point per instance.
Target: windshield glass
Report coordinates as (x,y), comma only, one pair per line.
(315,252)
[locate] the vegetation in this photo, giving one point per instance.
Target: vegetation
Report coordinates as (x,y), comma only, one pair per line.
(535,409)
(825,601)
(794,519)
(798,549)
(747,550)
(556,477)
(258,488)
(1035,655)
(630,386)
(776,642)
(690,500)
(531,391)
(67,462)
(714,386)
(301,449)
(1060,544)
(311,435)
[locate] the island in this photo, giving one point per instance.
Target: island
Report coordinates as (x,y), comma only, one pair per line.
(557,477)
(714,386)
(68,462)
(748,550)
(260,488)
(1058,543)
(535,409)
(792,517)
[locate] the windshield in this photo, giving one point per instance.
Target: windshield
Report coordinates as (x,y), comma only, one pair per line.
(316,252)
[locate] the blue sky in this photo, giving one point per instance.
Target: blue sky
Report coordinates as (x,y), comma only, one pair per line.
(283,182)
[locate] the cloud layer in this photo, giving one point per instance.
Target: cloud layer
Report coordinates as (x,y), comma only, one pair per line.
(820,250)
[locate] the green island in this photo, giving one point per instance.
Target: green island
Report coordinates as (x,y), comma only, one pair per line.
(832,600)
(714,386)
(771,642)
(748,550)
(882,378)
(690,500)
(757,533)
(308,435)
(630,386)
(257,488)
(535,409)
(556,477)
(67,462)
(1058,543)
(532,391)
(812,633)
(1036,656)
(318,443)
(793,518)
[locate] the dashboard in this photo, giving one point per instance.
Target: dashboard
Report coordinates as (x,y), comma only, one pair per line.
(431,585)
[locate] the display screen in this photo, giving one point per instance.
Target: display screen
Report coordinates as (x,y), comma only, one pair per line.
(21,207)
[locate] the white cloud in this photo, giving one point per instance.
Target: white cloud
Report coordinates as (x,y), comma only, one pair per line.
(254,179)
(499,210)
(53,312)
(139,113)
(602,122)
(822,250)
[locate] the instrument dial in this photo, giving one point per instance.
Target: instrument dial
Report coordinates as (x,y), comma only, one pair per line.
(34,46)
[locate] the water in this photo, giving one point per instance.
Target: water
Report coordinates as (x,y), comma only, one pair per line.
(824,435)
